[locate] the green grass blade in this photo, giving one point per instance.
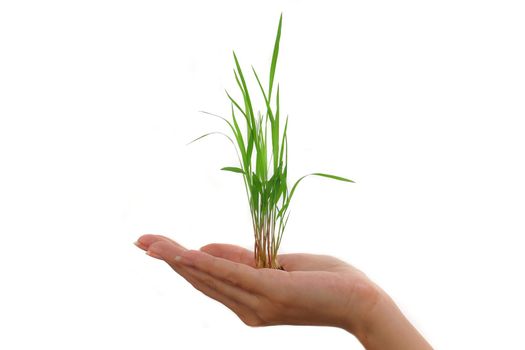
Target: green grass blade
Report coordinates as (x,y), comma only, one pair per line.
(333,177)
(274,56)
(283,185)
(266,101)
(236,105)
(236,132)
(260,146)
(226,120)
(316,174)
(238,82)
(215,115)
(255,191)
(244,90)
(233,169)
(251,133)
(251,142)
(275,135)
(260,86)
(240,141)
(293,190)
(283,143)
(217,133)
(203,136)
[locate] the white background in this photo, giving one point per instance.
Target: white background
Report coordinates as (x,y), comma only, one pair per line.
(421,103)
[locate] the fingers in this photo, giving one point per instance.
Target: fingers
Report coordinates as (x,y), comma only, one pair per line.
(167,251)
(236,278)
(237,274)
(208,269)
(227,262)
(230,252)
(233,297)
(145,241)
(214,291)
(171,240)
(236,299)
(245,313)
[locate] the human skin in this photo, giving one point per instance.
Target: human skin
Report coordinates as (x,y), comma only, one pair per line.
(311,290)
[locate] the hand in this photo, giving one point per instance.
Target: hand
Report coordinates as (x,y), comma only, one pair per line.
(311,290)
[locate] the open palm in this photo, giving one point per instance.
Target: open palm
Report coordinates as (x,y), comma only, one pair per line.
(311,290)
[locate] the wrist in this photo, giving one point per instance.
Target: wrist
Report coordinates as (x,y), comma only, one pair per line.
(384,326)
(380,315)
(360,311)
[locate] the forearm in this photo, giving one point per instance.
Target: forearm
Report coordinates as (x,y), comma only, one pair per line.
(386,328)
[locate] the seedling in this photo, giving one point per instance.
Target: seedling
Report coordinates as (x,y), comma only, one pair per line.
(262,151)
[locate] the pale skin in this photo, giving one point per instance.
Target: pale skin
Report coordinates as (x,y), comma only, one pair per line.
(311,290)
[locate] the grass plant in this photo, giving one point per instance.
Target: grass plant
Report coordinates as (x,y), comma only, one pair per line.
(261,144)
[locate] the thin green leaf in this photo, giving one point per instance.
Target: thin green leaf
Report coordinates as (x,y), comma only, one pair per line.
(316,174)
(283,143)
(333,177)
(224,119)
(236,104)
(215,115)
(202,136)
(247,100)
(233,169)
(274,56)
(218,133)
(240,141)
(275,134)
(260,85)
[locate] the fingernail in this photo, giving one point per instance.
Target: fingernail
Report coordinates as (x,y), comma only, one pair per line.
(153,254)
(137,243)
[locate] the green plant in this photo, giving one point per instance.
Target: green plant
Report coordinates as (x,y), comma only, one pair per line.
(262,151)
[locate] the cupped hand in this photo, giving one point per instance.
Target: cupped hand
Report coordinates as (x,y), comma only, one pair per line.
(311,290)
